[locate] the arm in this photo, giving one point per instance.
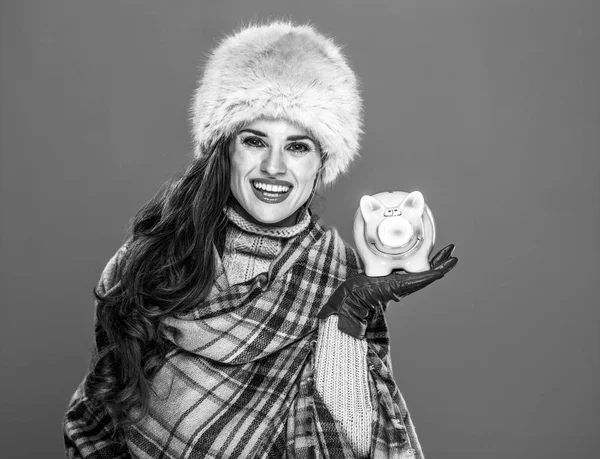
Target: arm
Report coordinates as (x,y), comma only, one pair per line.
(341,377)
(88,430)
(341,358)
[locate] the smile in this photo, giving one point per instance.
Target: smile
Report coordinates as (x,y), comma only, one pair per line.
(271,191)
(403,251)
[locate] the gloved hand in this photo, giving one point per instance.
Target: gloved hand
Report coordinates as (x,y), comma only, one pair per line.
(354,301)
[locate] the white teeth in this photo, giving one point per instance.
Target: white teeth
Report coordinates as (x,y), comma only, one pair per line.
(271,188)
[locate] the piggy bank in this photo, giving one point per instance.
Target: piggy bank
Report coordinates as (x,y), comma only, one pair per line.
(394,230)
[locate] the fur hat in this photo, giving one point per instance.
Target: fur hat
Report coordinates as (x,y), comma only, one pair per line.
(281,70)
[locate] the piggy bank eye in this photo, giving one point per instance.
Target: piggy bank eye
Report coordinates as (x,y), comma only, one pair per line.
(397,212)
(388,213)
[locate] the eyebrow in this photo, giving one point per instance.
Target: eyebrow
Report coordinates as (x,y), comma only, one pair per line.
(258,133)
(290,138)
(300,137)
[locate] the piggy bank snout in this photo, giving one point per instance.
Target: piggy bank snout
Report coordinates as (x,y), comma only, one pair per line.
(395,233)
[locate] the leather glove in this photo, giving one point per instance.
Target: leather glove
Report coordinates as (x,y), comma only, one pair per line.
(355,300)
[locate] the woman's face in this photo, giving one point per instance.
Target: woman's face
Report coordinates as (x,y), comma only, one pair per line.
(273,168)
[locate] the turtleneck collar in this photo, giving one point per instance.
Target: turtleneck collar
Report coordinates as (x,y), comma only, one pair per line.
(283,232)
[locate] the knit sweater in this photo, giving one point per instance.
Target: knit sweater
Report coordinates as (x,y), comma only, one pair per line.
(340,360)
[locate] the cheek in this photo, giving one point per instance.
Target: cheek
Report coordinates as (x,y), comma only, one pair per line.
(308,182)
(236,173)
(307,172)
(238,167)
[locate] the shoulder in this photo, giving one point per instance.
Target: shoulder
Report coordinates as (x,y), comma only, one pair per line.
(341,252)
(111,272)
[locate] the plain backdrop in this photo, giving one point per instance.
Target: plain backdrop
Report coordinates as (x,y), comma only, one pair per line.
(490,108)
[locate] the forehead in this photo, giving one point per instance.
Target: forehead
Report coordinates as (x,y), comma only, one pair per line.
(276,127)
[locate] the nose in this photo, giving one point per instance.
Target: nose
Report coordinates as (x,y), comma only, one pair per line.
(395,233)
(273,162)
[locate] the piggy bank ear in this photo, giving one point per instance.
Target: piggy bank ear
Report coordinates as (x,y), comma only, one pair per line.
(368,205)
(414,201)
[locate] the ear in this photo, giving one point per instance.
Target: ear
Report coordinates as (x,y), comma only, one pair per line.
(368,205)
(415,202)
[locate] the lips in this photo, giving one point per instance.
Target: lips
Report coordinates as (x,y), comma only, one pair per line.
(271,191)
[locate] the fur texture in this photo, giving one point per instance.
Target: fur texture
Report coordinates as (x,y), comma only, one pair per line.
(281,70)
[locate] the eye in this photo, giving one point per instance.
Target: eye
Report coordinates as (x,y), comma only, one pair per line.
(299,148)
(253,141)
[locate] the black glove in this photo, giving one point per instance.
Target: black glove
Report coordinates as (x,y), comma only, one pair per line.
(354,301)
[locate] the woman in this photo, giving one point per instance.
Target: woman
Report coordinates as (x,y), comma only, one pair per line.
(232,323)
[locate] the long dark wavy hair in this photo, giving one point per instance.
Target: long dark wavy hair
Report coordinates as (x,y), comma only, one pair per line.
(167,269)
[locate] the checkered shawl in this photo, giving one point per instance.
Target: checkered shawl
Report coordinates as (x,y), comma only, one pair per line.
(239,380)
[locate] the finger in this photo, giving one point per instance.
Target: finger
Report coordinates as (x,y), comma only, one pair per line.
(422,283)
(442,255)
(446,266)
(417,279)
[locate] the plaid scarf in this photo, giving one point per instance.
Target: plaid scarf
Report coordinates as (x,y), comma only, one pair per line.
(239,380)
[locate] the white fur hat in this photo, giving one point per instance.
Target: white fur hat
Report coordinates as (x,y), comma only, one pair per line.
(281,70)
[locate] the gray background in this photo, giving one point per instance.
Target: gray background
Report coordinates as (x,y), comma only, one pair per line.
(490,108)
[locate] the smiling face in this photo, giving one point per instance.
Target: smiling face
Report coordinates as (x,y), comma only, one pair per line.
(274,164)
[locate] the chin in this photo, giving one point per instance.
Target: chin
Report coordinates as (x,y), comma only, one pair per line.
(270,217)
(270,213)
